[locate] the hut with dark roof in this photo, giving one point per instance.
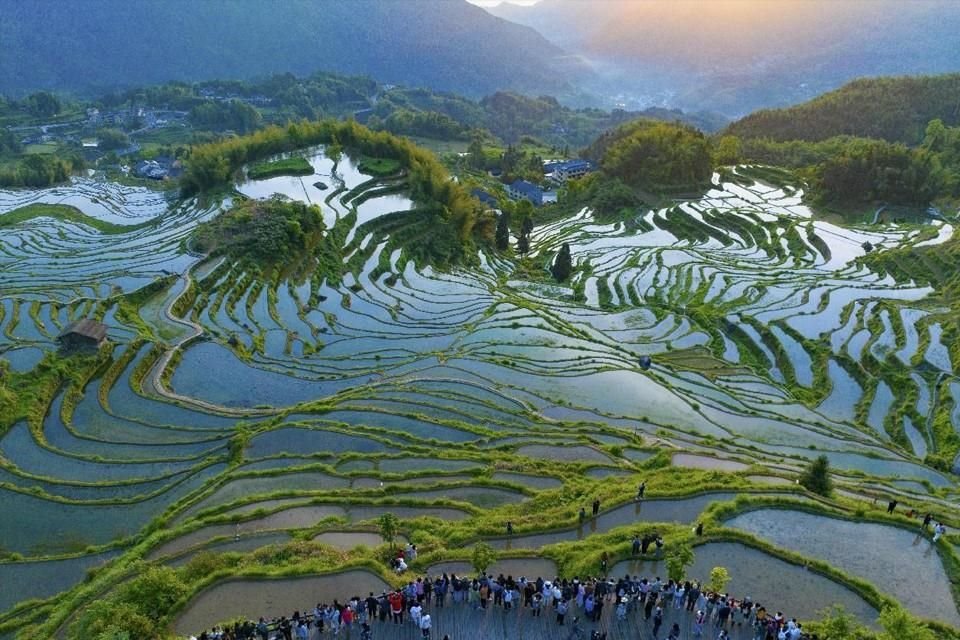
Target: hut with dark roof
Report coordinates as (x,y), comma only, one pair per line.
(83,334)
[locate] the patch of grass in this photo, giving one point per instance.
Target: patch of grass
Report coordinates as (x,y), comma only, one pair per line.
(295,166)
(65,213)
(379,167)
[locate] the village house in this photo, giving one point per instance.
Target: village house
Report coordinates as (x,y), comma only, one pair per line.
(83,334)
(560,172)
(159,168)
(523,190)
(484,197)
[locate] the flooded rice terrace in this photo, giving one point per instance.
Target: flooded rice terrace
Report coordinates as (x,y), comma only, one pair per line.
(345,389)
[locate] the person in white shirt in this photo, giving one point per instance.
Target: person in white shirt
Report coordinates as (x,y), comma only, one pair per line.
(425,624)
(415,613)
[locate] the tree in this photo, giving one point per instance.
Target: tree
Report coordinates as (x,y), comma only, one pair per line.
(719,577)
(562,264)
(482,557)
(727,150)
(837,623)
(477,159)
(816,477)
(523,245)
(655,155)
(679,557)
(503,231)
(43,104)
(110,139)
(389,526)
(899,625)
(526,227)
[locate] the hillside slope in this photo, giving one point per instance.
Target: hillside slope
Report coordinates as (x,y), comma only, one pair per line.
(448,44)
(892,109)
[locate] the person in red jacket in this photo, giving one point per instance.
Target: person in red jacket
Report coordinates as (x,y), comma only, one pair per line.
(396,607)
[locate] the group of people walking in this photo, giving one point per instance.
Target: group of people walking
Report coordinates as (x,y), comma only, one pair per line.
(661,608)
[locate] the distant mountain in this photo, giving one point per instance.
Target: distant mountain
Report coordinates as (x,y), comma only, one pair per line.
(735,56)
(443,44)
(893,109)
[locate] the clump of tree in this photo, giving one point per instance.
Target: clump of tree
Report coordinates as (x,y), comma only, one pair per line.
(429,124)
(874,170)
(39,170)
(138,609)
(608,198)
(234,115)
(110,139)
(892,109)
(263,231)
(9,144)
(42,104)
(655,156)
(563,264)
(895,624)
(816,477)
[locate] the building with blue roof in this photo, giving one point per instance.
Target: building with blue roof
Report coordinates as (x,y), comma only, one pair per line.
(523,190)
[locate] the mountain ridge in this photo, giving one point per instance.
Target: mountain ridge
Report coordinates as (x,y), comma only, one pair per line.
(440,44)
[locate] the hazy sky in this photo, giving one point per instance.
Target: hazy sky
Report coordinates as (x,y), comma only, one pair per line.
(491,3)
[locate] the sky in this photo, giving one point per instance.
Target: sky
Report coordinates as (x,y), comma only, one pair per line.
(491,3)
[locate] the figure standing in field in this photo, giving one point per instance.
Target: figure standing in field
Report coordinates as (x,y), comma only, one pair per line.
(596,506)
(641,490)
(891,506)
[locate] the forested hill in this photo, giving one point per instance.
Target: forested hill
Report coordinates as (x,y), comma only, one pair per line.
(446,44)
(893,109)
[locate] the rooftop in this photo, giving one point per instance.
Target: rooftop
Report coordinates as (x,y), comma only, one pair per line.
(87,328)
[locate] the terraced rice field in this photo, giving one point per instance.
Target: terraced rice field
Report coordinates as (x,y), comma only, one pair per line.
(237,410)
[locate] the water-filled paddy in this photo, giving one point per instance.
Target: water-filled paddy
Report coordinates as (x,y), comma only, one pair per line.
(271,598)
(681,510)
(898,562)
(401,367)
(786,587)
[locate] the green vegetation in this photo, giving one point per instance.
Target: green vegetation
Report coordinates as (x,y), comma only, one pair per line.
(719,578)
(39,170)
(656,156)
(482,557)
(231,114)
(562,264)
(388,526)
(816,477)
(294,166)
(66,213)
(450,217)
(110,139)
(895,624)
(895,109)
(265,231)
(679,558)
(379,167)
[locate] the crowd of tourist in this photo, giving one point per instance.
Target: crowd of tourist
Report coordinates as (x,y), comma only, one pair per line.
(652,602)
